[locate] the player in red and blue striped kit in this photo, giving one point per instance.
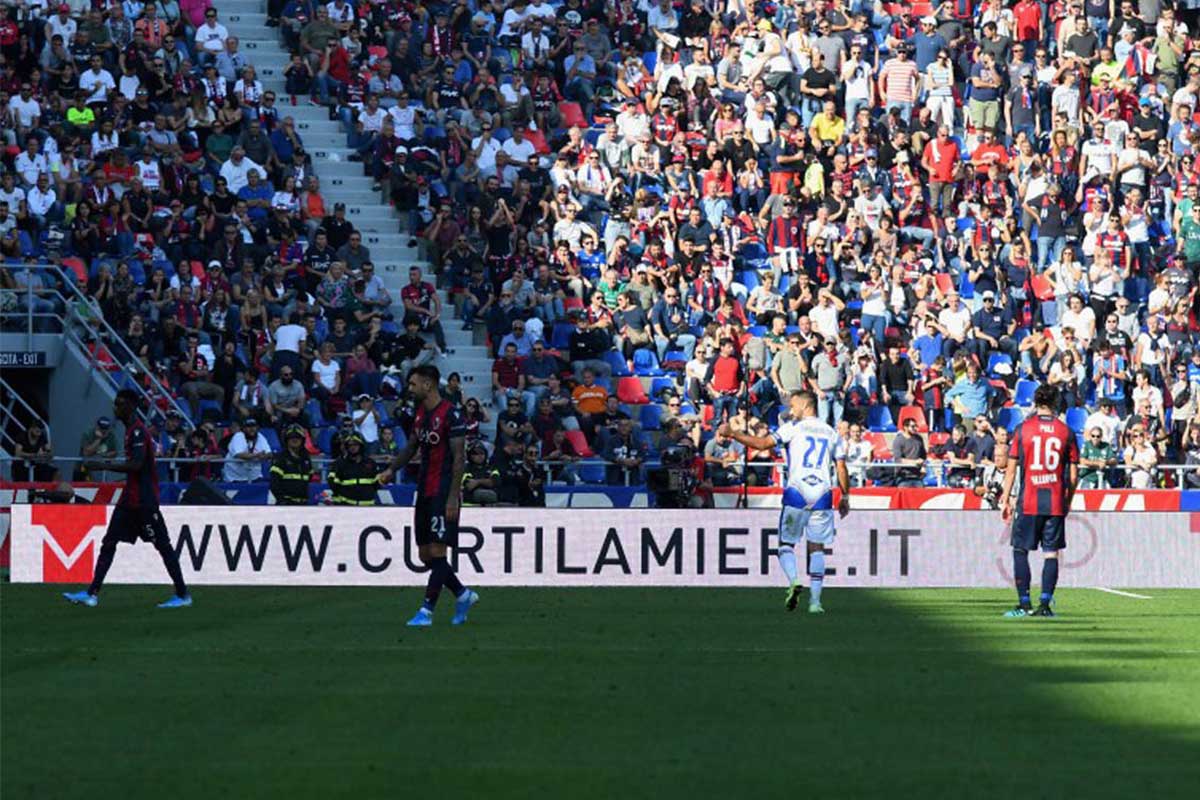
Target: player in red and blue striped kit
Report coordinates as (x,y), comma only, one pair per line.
(137,514)
(439,432)
(1045,452)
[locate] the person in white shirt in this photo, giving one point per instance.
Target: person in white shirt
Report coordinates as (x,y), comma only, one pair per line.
(824,315)
(542,9)
(485,148)
(97,82)
(62,24)
(248,449)
(29,163)
(234,170)
(955,321)
(1106,420)
(512,24)
(149,170)
(519,148)
(210,38)
(25,110)
(663,23)
(535,45)
(41,200)
(592,180)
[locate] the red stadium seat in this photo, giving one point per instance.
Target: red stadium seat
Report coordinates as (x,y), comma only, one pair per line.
(945,283)
(879,446)
(1043,290)
(572,302)
(572,115)
(913,413)
(538,140)
(580,443)
(629,390)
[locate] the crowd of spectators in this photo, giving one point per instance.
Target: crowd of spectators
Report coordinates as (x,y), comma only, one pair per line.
(663,215)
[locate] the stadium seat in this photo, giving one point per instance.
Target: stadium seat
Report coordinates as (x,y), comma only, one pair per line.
(580,443)
(570,303)
(757,330)
(995,360)
(560,337)
(1024,394)
(213,406)
(1043,290)
(879,419)
(660,385)
(1077,418)
(272,439)
(629,390)
(650,59)
(645,363)
(879,446)
(937,439)
(1010,418)
(572,115)
(617,361)
(591,473)
(914,413)
(672,356)
(651,417)
(325,439)
(315,415)
(945,283)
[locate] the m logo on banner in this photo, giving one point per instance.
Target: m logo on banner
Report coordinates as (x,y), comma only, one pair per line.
(68,552)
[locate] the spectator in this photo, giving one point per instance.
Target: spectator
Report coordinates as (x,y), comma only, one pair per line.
(908,449)
(508,380)
(248,450)
(1096,460)
(723,459)
(97,444)
(625,455)
(33,458)
(724,382)
(284,402)
(1140,459)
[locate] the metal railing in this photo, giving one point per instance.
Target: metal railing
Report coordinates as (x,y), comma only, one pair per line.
(9,419)
(935,469)
(77,329)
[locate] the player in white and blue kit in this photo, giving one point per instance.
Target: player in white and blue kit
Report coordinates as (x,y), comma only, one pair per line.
(814,455)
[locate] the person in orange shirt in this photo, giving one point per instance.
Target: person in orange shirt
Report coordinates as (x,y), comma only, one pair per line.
(591,400)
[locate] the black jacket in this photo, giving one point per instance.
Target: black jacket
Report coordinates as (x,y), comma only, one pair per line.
(289,478)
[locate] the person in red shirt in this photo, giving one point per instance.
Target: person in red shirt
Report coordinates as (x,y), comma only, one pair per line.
(988,152)
(1028,16)
(940,161)
(1044,451)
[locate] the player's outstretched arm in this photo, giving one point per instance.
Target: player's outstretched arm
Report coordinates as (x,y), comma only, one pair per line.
(403,457)
(755,442)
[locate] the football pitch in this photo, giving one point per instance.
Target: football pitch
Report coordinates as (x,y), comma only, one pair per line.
(575,693)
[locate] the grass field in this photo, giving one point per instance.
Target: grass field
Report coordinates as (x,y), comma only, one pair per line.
(299,693)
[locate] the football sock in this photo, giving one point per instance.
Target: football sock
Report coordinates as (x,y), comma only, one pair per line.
(171,561)
(816,575)
(1021,575)
(1049,580)
(108,549)
(451,579)
(787,560)
(433,588)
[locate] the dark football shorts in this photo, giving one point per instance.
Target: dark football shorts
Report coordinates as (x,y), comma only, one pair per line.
(430,524)
(1031,531)
(130,524)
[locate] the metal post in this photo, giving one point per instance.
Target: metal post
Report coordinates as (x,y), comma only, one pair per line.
(29,312)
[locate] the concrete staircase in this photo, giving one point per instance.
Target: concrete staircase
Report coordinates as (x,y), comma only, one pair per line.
(343,181)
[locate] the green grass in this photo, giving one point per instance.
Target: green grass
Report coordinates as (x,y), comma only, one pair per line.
(298,693)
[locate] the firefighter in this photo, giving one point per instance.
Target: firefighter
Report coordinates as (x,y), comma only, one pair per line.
(291,470)
(353,476)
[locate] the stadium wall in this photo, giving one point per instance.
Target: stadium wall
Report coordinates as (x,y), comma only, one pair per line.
(621,547)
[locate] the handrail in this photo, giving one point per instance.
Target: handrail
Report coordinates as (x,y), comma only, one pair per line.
(8,415)
(103,331)
(320,463)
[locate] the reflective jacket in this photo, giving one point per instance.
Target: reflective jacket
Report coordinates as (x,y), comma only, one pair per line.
(289,478)
(353,482)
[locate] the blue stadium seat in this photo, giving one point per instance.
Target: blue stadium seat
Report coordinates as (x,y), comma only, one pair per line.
(324,439)
(617,361)
(749,279)
(272,439)
(560,337)
(208,405)
(315,415)
(651,417)
(650,59)
(1077,418)
(591,473)
(995,360)
(645,363)
(879,419)
(1024,393)
(753,251)
(674,355)
(757,330)
(660,385)
(1010,418)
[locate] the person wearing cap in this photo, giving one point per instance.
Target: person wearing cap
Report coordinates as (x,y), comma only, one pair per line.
(480,479)
(99,443)
(992,329)
(353,478)
(367,421)
(291,469)
(247,451)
